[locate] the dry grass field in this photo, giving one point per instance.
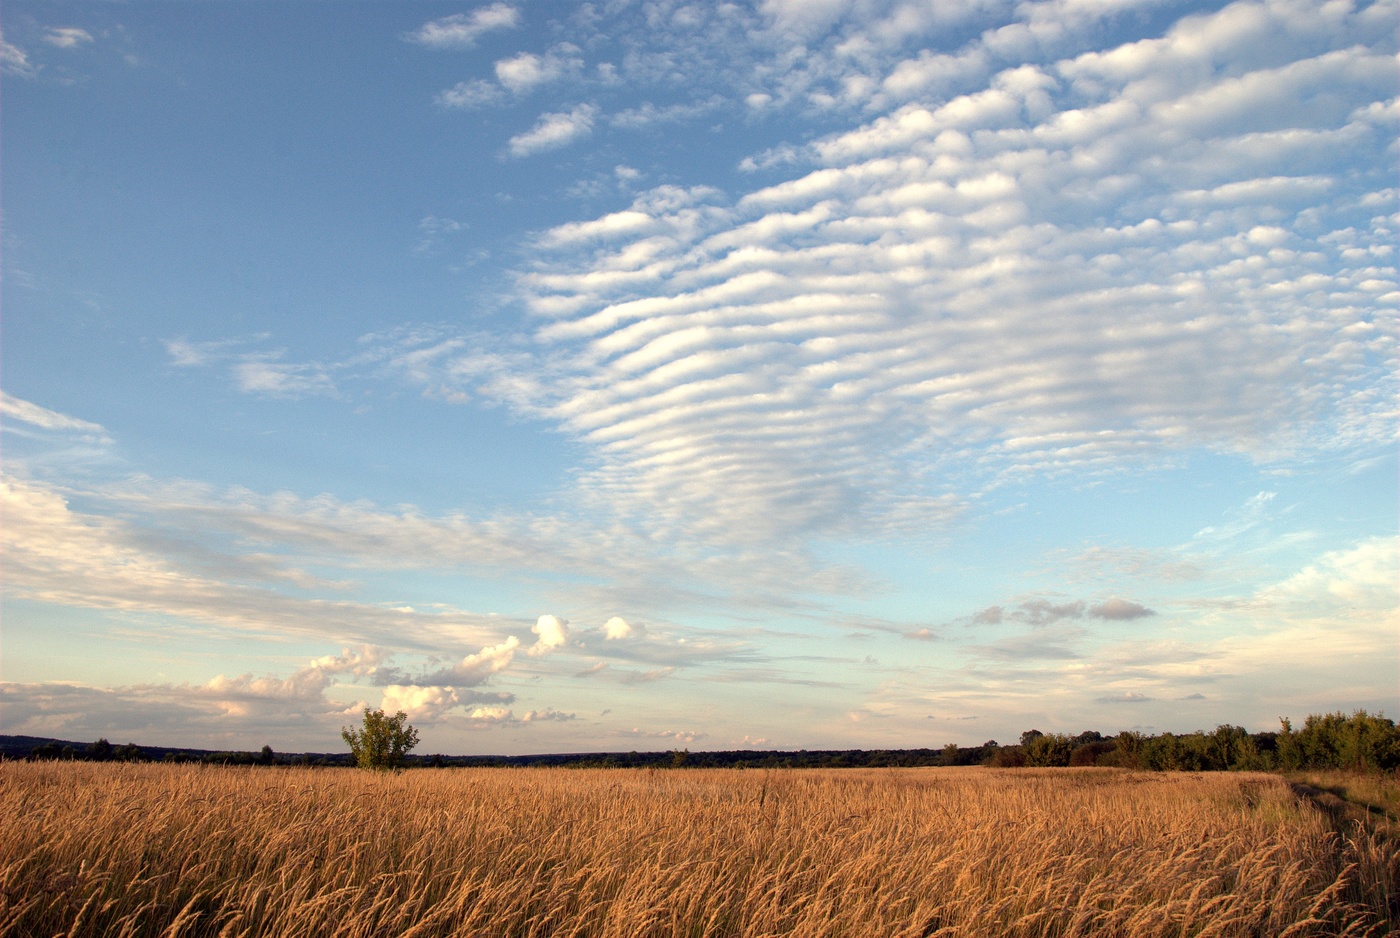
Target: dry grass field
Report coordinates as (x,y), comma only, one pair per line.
(110,849)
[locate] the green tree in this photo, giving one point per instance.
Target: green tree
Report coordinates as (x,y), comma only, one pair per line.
(383,741)
(1052,750)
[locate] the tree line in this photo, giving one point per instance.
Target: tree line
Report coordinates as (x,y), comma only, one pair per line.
(1359,741)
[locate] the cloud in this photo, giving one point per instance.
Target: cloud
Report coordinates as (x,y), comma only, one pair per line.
(273,378)
(1130,697)
(184,353)
(491,715)
(433,230)
(476,668)
(547,715)
(419,702)
(619,629)
(461,30)
(67,37)
(54,554)
(224,712)
(526,71)
(681,737)
(987,286)
(471,94)
(1040,645)
(554,130)
(553,632)
(15,408)
(1121,610)
(648,114)
(15,61)
(644,677)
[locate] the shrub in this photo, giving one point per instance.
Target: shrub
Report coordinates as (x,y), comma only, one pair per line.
(1053,749)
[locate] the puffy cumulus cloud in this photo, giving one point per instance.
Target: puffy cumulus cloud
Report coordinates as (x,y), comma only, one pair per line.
(526,71)
(618,629)
(489,716)
(1018,279)
(553,632)
(554,130)
(547,715)
(461,30)
(517,76)
(420,702)
(476,668)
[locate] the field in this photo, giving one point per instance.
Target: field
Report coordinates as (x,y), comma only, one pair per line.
(111,849)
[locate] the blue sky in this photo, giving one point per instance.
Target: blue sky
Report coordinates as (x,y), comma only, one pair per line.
(651,375)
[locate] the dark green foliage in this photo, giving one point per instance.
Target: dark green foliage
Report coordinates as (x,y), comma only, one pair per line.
(1054,749)
(1008,757)
(1359,742)
(1088,753)
(1336,741)
(383,741)
(129,753)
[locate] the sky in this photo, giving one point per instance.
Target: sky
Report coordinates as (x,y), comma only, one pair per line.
(657,375)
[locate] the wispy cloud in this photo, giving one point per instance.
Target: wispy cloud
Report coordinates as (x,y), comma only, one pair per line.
(14,408)
(67,37)
(15,61)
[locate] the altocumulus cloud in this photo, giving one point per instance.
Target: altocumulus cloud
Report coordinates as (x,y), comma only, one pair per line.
(988,284)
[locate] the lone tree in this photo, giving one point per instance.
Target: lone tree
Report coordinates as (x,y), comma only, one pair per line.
(383,741)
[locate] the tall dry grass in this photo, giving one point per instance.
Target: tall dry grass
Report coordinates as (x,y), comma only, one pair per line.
(102,849)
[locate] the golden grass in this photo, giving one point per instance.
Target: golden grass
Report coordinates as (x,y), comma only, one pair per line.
(103,849)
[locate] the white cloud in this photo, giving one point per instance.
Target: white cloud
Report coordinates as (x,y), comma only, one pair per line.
(547,715)
(15,61)
(461,30)
(471,94)
(555,130)
(274,378)
(553,632)
(54,554)
(491,715)
(476,668)
(15,408)
(618,628)
(67,37)
(1032,277)
(526,71)
(419,702)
